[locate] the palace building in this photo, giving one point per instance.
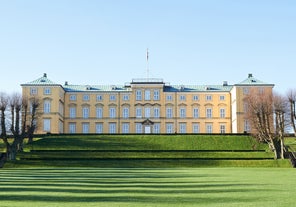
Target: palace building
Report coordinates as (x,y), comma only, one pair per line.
(142,106)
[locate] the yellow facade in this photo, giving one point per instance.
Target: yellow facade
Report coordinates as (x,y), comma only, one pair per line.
(142,106)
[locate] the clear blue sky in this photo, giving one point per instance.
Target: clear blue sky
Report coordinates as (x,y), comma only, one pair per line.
(189,41)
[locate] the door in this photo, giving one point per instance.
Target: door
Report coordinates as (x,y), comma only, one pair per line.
(147,129)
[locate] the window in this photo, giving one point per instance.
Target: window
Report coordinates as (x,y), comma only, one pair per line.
(72,127)
(112,128)
(85,128)
(182,98)
(222,98)
(156,113)
(47,91)
(209,113)
(125,97)
(138,95)
(112,112)
(125,128)
(246,91)
(208,97)
(61,126)
(195,97)
(46,106)
(139,112)
(147,95)
(222,128)
(261,90)
(46,125)
(156,128)
(61,108)
(246,107)
(195,113)
(85,112)
(125,112)
(156,95)
(72,112)
(138,128)
(85,97)
(247,127)
(99,98)
(169,112)
(195,128)
(222,113)
(209,128)
(182,113)
(112,98)
(73,98)
(99,128)
(169,97)
(99,112)
(169,128)
(33,91)
(182,128)
(147,112)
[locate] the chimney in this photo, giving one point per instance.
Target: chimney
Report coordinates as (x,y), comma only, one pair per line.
(225,83)
(66,83)
(250,75)
(44,75)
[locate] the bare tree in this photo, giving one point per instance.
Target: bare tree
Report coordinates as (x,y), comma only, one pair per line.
(260,116)
(20,125)
(291,95)
(280,110)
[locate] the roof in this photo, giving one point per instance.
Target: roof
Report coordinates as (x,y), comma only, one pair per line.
(94,88)
(198,88)
(41,81)
(251,81)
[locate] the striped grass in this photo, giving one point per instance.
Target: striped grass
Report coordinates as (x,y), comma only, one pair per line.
(126,187)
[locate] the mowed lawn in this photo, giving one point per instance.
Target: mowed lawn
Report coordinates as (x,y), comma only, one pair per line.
(71,187)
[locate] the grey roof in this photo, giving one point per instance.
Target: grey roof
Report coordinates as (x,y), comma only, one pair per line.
(41,81)
(251,81)
(198,88)
(94,88)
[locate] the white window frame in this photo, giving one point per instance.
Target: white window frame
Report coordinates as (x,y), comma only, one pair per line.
(99,98)
(147,95)
(72,112)
(169,128)
(169,112)
(125,112)
(112,97)
(169,97)
(156,111)
(99,112)
(195,112)
(85,128)
(72,128)
(112,112)
(33,91)
(182,113)
(85,112)
(209,97)
(209,128)
(86,97)
(46,106)
(156,128)
(222,113)
(125,128)
(46,125)
(138,95)
(112,128)
(209,113)
(147,112)
(125,97)
(139,128)
(156,95)
(182,128)
(195,128)
(138,112)
(195,98)
(72,97)
(99,128)
(47,91)
(182,97)
(222,128)
(222,97)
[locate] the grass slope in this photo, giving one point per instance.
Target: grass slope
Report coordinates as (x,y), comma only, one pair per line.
(206,187)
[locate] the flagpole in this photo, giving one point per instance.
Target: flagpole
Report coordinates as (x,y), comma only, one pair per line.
(147,64)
